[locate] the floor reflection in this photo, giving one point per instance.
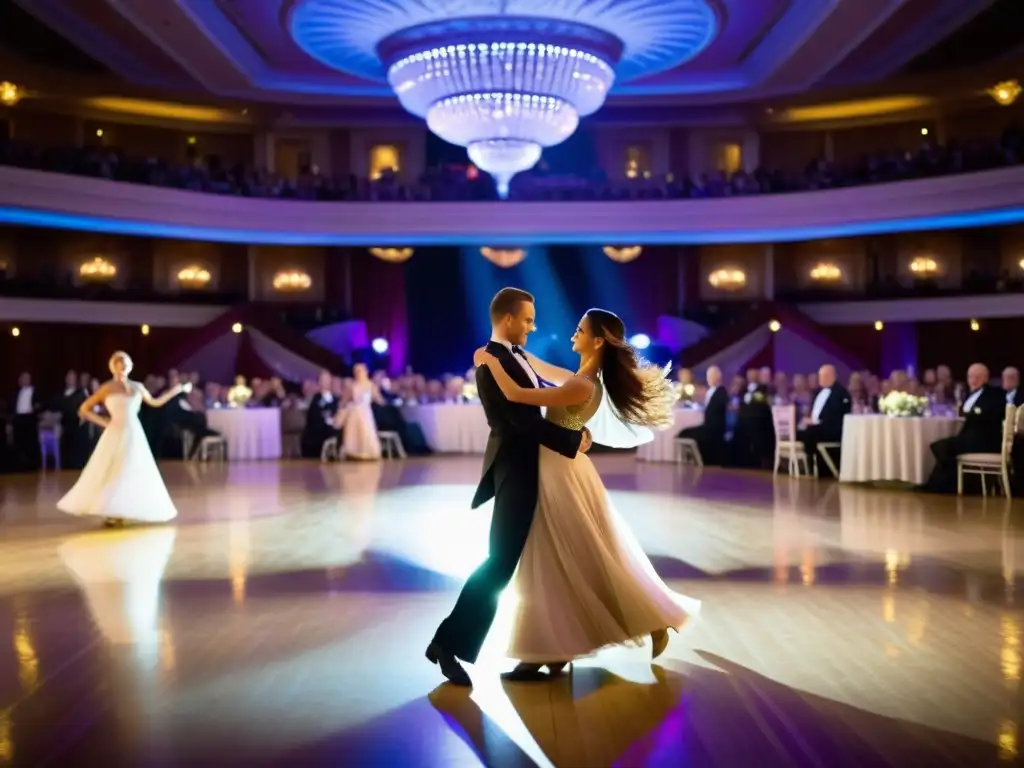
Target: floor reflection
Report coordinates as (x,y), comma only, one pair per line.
(282,620)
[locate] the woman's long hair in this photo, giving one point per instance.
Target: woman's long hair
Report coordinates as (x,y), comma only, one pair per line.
(640,392)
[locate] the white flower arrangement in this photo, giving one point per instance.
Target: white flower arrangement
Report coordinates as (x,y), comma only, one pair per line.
(902,404)
(469,392)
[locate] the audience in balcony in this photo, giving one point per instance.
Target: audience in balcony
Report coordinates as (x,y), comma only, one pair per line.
(454,183)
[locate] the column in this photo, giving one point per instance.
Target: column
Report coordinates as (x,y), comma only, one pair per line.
(769,271)
(830,146)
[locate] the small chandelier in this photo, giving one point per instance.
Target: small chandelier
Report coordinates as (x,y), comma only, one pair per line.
(392,255)
(826,273)
(10,94)
(292,281)
(923,266)
(503,257)
(730,279)
(1005,93)
(193,277)
(97,270)
(623,255)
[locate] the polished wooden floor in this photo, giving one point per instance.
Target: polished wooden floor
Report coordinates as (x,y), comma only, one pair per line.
(282,621)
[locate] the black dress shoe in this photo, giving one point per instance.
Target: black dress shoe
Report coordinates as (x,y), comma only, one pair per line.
(449,665)
(526,673)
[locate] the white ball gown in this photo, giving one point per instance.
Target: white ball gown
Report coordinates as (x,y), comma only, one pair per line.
(359,437)
(583,581)
(121,480)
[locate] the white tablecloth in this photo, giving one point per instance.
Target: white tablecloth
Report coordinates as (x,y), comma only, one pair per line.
(451,427)
(663,447)
(252,433)
(884,448)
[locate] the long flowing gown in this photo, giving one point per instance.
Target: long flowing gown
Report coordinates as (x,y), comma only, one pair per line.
(583,581)
(121,479)
(359,439)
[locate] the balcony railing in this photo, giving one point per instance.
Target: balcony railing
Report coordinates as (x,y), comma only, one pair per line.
(39,198)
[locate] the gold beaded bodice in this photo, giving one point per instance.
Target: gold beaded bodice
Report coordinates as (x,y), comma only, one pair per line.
(575,417)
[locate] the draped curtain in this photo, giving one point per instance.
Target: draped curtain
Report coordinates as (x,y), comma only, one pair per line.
(379,299)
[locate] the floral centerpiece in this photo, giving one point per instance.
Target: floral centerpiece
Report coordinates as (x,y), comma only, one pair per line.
(469,392)
(902,404)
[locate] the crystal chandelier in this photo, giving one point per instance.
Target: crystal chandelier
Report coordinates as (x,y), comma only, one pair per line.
(507,90)
(502,78)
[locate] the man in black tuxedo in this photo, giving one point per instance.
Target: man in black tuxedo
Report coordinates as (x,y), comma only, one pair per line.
(179,413)
(1012,388)
(323,407)
(25,425)
(983,412)
(509,477)
(829,408)
(753,439)
(710,435)
(74,433)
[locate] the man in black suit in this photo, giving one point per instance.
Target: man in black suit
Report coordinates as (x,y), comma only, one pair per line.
(753,439)
(829,408)
(74,432)
(983,412)
(323,407)
(510,478)
(25,422)
(710,435)
(1012,388)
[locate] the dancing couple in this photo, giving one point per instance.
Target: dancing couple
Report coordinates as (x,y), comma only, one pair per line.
(581,578)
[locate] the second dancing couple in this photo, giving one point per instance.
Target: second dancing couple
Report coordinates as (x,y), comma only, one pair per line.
(581,578)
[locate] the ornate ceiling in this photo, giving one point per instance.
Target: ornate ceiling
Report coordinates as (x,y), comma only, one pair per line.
(679,51)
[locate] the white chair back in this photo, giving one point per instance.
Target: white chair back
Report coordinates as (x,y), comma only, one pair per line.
(784,421)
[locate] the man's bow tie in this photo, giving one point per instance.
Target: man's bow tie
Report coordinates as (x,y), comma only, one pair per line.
(517,350)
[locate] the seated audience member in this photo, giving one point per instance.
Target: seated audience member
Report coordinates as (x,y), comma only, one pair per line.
(982,432)
(182,414)
(753,440)
(319,428)
(1011,385)
(829,408)
(710,435)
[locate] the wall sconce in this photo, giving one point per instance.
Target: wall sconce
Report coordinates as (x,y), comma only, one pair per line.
(1005,93)
(728,279)
(193,277)
(10,94)
(503,257)
(923,266)
(1021,264)
(623,255)
(97,270)
(392,255)
(292,281)
(826,272)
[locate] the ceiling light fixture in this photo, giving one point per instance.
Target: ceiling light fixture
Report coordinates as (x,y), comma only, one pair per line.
(503,78)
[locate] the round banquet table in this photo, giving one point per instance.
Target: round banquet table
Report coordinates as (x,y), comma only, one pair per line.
(663,447)
(891,448)
(451,427)
(251,433)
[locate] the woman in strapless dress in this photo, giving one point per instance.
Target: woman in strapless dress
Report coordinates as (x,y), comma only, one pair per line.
(583,581)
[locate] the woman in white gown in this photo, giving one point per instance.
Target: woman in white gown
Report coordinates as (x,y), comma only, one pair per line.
(359,436)
(583,581)
(121,481)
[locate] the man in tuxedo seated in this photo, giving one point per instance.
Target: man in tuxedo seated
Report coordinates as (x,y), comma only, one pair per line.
(710,435)
(982,432)
(1015,396)
(180,413)
(1011,386)
(825,424)
(323,407)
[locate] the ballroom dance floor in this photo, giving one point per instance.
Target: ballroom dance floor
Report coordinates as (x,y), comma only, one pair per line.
(282,621)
